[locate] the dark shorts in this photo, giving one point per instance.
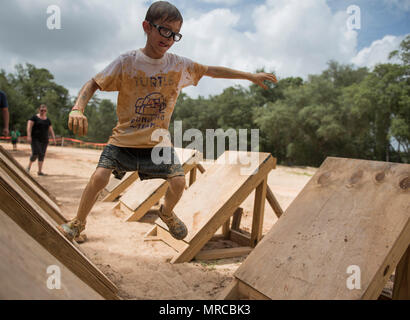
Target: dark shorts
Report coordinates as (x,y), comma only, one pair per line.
(38,150)
(166,165)
(14,141)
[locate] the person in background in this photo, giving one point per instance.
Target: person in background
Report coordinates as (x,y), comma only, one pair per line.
(15,134)
(5,111)
(38,129)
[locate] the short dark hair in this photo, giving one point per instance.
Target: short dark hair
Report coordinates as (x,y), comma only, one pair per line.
(164,11)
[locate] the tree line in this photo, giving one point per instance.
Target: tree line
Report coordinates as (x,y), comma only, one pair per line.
(345,111)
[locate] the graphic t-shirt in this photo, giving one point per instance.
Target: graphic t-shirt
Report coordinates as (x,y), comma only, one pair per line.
(40,129)
(148,90)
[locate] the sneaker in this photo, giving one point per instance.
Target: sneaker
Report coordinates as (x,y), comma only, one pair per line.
(72,229)
(28,169)
(176,227)
(41,174)
(81,238)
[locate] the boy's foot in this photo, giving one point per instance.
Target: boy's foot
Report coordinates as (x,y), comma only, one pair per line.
(72,229)
(176,227)
(81,238)
(41,174)
(28,169)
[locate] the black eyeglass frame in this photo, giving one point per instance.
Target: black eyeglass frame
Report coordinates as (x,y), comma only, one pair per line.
(173,34)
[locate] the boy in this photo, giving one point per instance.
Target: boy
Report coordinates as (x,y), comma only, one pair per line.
(15,134)
(149,81)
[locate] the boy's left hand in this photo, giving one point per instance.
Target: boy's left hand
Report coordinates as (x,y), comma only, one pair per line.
(258,79)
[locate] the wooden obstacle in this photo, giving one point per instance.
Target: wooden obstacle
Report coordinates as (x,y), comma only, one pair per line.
(188,157)
(24,269)
(30,186)
(352,216)
(141,196)
(28,214)
(209,203)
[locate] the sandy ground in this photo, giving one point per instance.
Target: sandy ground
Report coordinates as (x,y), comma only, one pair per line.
(141,270)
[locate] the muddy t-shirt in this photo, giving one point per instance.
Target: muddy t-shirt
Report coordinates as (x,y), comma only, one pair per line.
(148,90)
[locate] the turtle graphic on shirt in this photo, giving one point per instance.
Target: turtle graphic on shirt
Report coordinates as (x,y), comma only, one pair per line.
(152,104)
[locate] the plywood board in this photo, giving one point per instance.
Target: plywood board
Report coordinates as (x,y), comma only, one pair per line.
(24,269)
(208,203)
(32,189)
(26,174)
(38,224)
(351,213)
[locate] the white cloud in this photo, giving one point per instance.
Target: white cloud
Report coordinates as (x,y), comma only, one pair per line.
(378,52)
(292,37)
(225,2)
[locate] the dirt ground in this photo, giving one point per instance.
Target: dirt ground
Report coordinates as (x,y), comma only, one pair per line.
(141,270)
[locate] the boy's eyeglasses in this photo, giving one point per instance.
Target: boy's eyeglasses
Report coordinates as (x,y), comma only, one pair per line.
(166,33)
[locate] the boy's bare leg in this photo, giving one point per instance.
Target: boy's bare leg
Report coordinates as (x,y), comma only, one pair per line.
(97,182)
(176,227)
(173,194)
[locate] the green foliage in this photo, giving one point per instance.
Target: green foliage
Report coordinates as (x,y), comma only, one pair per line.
(29,87)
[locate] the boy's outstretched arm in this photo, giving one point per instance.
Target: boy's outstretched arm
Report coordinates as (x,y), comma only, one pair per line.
(226,73)
(77,121)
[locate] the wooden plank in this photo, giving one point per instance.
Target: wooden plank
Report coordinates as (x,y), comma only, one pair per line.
(36,222)
(32,189)
(23,269)
(26,174)
(222,253)
(142,196)
(225,228)
(401,289)
(229,187)
(165,236)
(258,212)
(230,292)
(240,238)
(192,176)
(351,213)
(236,219)
(115,186)
(273,202)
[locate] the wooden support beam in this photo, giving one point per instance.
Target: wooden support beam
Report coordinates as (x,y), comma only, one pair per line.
(240,238)
(258,211)
(401,289)
(192,176)
(225,228)
(200,168)
(213,254)
(116,187)
(273,202)
(236,220)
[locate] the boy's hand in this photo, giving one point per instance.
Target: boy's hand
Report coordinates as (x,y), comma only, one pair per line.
(77,122)
(258,79)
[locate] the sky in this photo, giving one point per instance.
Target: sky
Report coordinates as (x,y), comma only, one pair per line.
(287,37)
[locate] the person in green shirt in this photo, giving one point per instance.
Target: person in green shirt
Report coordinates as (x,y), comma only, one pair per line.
(15,134)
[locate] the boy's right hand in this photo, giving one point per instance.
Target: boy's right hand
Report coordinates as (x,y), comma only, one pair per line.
(77,122)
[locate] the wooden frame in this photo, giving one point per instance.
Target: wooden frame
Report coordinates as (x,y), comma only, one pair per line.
(351,213)
(32,218)
(33,189)
(224,206)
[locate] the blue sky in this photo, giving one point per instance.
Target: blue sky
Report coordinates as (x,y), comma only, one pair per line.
(289,37)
